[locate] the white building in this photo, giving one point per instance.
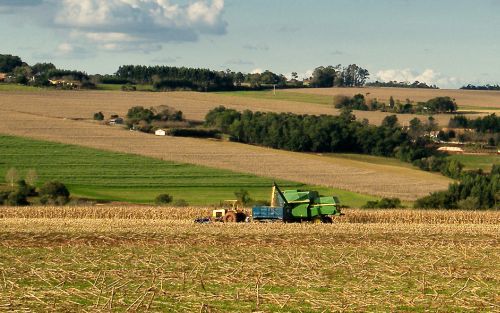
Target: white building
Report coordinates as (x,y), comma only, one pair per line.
(160,132)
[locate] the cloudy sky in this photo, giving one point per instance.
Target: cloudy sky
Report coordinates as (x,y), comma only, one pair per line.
(446,42)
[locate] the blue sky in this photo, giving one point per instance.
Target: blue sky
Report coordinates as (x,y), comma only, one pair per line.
(445,42)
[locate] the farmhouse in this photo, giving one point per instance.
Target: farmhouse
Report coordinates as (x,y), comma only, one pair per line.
(160,132)
(3,76)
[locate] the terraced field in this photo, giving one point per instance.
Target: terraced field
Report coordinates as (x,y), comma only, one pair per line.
(339,173)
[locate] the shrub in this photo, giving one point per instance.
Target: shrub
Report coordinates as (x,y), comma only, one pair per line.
(164,198)
(3,197)
(17,198)
(54,192)
(384,203)
(98,116)
(243,196)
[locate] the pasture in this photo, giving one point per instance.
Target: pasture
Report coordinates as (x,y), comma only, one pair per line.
(155,259)
(110,176)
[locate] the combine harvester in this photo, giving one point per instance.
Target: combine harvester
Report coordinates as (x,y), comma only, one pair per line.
(289,206)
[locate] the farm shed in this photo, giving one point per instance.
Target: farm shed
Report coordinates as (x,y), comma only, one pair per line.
(160,132)
(116,121)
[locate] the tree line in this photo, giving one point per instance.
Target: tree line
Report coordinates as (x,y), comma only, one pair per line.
(486,124)
(395,84)
(433,106)
(483,87)
(325,133)
(476,190)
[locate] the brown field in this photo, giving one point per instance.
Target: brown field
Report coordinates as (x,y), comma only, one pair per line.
(375,179)
(96,259)
(470,99)
(83,104)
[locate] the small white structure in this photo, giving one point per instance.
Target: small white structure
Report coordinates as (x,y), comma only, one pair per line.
(160,132)
(116,121)
(451,149)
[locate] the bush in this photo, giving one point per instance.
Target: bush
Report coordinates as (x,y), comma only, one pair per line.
(384,203)
(54,192)
(3,197)
(98,116)
(164,198)
(243,196)
(17,198)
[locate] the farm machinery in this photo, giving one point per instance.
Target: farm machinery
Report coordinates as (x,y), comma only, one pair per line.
(289,206)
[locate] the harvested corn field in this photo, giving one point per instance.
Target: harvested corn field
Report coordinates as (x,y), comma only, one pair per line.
(154,259)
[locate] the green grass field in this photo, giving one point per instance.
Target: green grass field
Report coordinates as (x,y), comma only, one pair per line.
(484,162)
(110,176)
(16,87)
(118,87)
(281,95)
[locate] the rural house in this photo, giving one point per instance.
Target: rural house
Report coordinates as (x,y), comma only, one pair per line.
(3,76)
(160,132)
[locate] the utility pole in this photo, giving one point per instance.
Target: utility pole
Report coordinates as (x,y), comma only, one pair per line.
(274,90)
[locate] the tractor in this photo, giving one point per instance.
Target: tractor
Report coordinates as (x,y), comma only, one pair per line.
(231,212)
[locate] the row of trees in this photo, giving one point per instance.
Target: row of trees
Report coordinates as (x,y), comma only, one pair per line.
(338,76)
(476,190)
(484,87)
(168,77)
(395,84)
(487,124)
(433,106)
(325,133)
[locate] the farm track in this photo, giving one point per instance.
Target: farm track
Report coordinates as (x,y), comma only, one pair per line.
(381,180)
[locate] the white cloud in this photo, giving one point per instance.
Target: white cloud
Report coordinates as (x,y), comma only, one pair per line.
(125,25)
(428,76)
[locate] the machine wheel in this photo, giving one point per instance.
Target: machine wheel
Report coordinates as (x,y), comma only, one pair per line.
(327,219)
(230,217)
(317,220)
(241,217)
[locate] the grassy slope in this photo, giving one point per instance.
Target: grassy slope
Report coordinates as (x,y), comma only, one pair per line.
(484,162)
(124,177)
(118,87)
(281,95)
(16,87)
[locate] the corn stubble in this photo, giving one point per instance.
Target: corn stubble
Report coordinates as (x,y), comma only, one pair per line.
(156,259)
